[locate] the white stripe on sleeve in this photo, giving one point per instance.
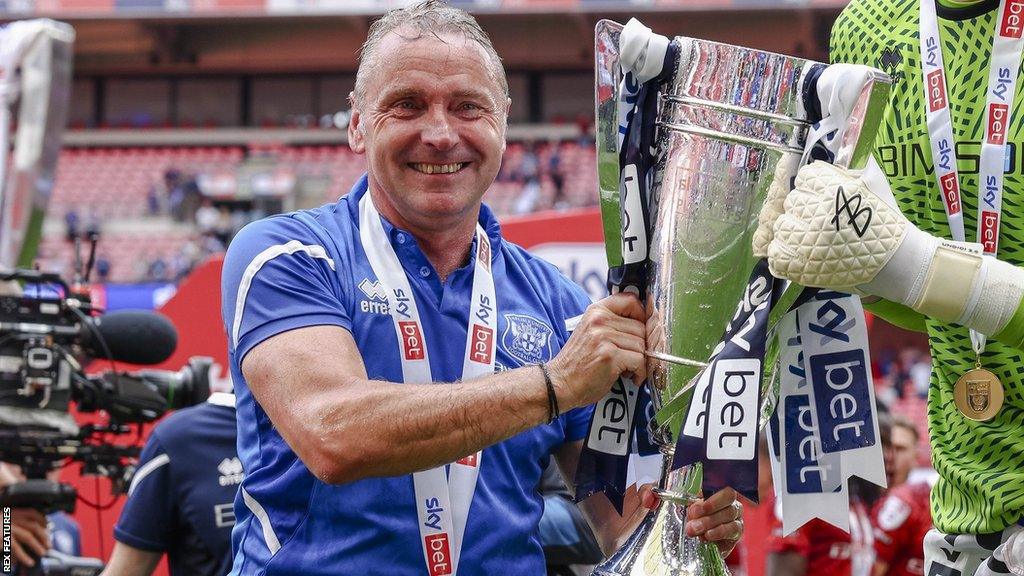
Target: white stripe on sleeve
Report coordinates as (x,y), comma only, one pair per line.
(254,266)
(273,544)
(147,469)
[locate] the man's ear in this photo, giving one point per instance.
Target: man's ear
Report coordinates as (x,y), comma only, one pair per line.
(356,139)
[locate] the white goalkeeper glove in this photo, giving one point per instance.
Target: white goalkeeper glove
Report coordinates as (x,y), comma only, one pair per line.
(834,231)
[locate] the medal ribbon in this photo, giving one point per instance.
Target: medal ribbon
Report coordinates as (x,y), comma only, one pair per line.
(442,503)
(1007,46)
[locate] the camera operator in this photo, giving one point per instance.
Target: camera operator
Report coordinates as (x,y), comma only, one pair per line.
(180,501)
(29,537)
(62,531)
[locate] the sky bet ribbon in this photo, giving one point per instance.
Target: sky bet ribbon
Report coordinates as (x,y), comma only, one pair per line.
(605,459)
(721,426)
(825,427)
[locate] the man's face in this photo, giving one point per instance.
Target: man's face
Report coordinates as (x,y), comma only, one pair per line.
(432,125)
(901,457)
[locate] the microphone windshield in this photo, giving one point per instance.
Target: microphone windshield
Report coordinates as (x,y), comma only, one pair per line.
(133,336)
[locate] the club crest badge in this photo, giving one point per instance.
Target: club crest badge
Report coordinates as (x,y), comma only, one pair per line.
(977,395)
(526,338)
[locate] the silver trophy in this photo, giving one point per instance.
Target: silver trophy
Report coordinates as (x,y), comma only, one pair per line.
(730,121)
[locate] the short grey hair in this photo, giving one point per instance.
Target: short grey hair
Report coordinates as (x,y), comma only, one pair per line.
(427,17)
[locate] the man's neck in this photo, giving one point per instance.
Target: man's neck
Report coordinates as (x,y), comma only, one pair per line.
(446,250)
(445,244)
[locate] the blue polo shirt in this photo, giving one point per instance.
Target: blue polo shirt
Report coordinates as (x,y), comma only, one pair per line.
(181,497)
(308,268)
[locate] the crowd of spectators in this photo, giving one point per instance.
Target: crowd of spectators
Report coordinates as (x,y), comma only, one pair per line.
(179,196)
(903,375)
(537,163)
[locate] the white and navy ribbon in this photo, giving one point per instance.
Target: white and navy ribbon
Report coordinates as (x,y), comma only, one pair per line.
(604,461)
(825,429)
(721,425)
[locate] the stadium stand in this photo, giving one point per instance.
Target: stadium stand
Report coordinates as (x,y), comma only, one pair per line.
(113,182)
(129,189)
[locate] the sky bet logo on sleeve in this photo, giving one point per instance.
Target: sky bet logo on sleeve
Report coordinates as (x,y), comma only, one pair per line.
(412,340)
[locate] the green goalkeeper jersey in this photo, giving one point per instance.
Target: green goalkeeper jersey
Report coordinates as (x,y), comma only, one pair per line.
(980,464)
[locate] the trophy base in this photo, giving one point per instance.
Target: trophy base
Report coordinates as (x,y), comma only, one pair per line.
(660,547)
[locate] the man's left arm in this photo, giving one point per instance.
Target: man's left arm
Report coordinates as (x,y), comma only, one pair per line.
(127,560)
(717,519)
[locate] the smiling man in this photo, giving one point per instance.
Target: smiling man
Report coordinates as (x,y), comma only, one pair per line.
(392,416)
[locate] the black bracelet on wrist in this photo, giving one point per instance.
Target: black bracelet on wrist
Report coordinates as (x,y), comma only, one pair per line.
(553,411)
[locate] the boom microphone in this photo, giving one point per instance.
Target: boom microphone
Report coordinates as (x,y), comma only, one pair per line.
(133,336)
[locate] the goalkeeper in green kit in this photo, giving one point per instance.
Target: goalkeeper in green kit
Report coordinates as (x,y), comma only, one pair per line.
(932,235)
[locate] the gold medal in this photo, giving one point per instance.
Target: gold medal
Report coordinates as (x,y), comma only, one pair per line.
(978,394)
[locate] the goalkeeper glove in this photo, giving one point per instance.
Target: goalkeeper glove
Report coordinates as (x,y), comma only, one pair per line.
(834,231)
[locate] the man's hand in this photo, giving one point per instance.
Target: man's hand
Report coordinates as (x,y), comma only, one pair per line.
(718,519)
(30,538)
(608,342)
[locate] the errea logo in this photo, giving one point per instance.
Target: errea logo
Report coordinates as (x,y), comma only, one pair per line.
(230,471)
(376,301)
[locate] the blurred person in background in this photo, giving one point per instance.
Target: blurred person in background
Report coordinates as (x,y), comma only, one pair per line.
(556,171)
(180,500)
(72,223)
(207,217)
(902,517)
(102,268)
(529,175)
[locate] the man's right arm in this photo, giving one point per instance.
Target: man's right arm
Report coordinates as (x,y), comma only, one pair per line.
(313,385)
(129,561)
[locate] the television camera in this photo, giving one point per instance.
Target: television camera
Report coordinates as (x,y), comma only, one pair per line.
(48,334)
